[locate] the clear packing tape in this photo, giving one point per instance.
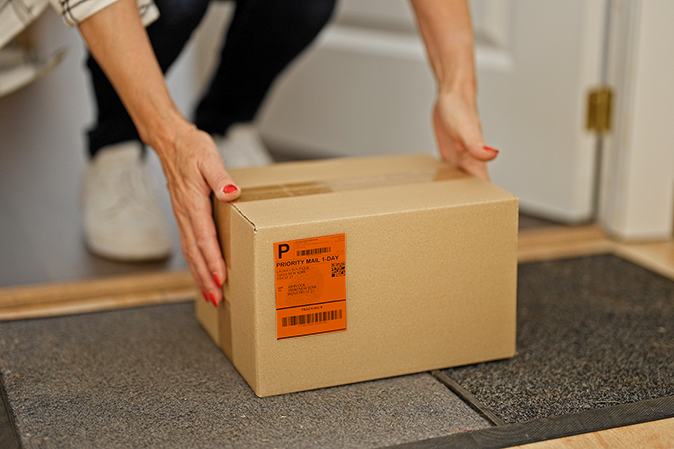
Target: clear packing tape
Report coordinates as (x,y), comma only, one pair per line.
(346,184)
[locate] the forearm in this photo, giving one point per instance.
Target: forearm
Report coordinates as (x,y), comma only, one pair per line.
(447,33)
(119,43)
(189,157)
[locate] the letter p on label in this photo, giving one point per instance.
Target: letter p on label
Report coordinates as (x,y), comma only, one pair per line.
(283,248)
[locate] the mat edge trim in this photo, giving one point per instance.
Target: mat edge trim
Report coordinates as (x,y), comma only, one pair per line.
(552,428)
(9,432)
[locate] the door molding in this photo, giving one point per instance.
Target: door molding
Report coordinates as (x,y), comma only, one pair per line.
(636,200)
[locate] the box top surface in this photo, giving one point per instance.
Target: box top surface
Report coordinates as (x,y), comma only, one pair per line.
(311,191)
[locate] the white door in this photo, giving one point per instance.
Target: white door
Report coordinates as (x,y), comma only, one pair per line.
(366,88)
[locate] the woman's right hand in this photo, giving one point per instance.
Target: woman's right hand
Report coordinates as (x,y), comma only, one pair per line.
(193,169)
(191,162)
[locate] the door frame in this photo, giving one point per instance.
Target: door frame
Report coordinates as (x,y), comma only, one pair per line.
(636,195)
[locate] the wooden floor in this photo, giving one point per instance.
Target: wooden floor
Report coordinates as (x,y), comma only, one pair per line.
(559,242)
(652,435)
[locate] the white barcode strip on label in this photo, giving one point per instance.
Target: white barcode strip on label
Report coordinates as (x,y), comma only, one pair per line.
(310,252)
(311,318)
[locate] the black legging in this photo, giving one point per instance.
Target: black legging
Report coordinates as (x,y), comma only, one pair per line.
(263,37)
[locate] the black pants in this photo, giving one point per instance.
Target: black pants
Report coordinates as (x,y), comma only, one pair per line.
(263,37)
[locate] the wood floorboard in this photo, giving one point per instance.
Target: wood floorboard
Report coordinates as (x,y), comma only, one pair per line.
(95,295)
(561,242)
(655,256)
(651,435)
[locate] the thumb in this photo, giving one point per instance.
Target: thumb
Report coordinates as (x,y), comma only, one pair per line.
(483,152)
(222,184)
(476,146)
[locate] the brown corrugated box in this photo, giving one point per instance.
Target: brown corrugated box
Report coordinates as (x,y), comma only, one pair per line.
(423,256)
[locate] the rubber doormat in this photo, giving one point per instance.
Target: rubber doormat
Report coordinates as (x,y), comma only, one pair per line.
(595,350)
(151,377)
(593,332)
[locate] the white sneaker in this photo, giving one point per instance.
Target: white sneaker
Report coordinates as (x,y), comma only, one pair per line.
(122,217)
(243,147)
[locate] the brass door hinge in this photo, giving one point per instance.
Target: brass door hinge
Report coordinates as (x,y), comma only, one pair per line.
(599,102)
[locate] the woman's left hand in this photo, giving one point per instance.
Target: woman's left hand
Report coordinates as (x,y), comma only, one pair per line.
(459,134)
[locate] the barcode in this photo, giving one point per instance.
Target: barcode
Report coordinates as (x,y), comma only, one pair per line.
(311,318)
(309,252)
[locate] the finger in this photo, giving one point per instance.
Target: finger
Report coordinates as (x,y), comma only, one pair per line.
(470,165)
(195,260)
(474,167)
(225,189)
(206,240)
(204,293)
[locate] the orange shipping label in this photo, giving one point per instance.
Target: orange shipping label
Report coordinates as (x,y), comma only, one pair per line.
(310,286)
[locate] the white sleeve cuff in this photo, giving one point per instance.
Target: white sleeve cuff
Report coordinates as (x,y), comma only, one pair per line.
(76,11)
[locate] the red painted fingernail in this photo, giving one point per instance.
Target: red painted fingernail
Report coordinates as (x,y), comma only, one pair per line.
(230,188)
(204,295)
(212,295)
(490,148)
(216,278)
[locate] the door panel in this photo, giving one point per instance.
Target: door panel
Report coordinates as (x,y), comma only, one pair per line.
(366,88)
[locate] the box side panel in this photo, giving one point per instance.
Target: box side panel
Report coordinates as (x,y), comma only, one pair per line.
(208,318)
(239,293)
(235,315)
(224,313)
(425,289)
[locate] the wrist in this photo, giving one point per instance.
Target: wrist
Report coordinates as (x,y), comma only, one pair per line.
(455,72)
(461,89)
(164,130)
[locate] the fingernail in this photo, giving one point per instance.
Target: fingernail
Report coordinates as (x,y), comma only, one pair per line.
(490,149)
(230,188)
(204,295)
(212,295)
(216,278)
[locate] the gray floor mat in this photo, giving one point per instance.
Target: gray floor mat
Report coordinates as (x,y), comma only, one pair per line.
(593,332)
(150,377)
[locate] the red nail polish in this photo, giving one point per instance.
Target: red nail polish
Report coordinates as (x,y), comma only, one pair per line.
(212,295)
(490,148)
(216,278)
(230,188)
(204,295)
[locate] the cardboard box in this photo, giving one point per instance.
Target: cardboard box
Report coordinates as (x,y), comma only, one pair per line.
(354,269)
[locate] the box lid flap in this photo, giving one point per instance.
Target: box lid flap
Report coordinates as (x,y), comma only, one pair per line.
(313,191)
